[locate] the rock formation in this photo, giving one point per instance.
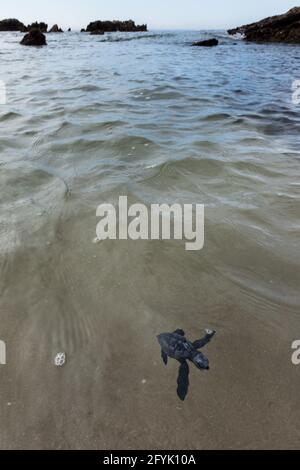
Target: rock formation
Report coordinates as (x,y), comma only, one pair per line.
(112,26)
(41,26)
(207,43)
(280,28)
(55,29)
(11,24)
(34,38)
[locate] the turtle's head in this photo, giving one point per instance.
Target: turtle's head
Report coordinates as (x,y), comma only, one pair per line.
(200,361)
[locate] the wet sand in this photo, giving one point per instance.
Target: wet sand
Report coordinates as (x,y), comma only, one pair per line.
(114,391)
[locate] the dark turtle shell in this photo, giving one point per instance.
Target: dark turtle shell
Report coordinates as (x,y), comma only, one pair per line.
(176,346)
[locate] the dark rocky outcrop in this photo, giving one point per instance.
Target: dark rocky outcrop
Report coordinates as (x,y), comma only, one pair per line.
(280,28)
(207,43)
(97,33)
(113,26)
(56,29)
(82,30)
(34,38)
(69,30)
(11,24)
(43,27)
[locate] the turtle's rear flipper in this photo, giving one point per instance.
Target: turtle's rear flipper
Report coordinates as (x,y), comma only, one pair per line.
(183,380)
(200,343)
(164,357)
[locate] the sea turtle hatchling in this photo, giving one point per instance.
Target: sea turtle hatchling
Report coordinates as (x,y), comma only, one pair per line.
(176,346)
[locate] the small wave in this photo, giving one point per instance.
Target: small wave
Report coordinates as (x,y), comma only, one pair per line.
(9,116)
(216,117)
(85,88)
(136,38)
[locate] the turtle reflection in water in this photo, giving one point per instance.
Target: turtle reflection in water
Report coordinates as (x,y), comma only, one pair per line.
(176,346)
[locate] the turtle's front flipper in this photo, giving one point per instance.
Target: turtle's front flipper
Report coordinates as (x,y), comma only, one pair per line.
(164,357)
(183,380)
(200,343)
(179,332)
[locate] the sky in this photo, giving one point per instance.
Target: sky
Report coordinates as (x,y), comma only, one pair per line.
(158,14)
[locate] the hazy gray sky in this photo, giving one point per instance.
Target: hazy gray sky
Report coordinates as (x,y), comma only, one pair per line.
(192,14)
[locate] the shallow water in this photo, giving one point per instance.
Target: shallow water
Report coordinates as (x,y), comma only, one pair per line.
(145,115)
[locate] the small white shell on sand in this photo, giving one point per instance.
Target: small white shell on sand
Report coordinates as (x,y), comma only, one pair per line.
(60,359)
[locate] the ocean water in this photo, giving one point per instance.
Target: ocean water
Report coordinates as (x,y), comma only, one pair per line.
(88,119)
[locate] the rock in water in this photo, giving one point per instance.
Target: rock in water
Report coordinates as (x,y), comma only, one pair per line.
(55,29)
(43,27)
(34,38)
(114,26)
(11,24)
(207,43)
(280,28)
